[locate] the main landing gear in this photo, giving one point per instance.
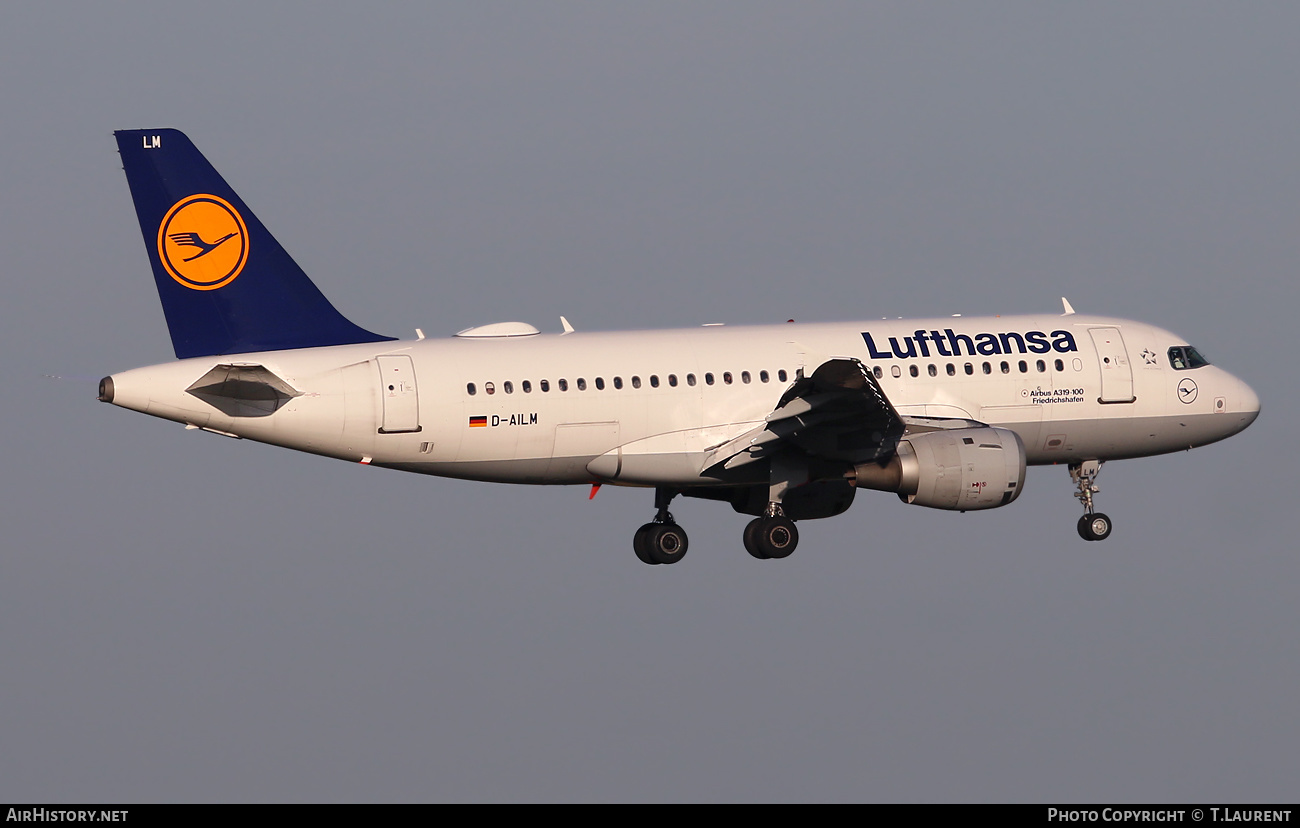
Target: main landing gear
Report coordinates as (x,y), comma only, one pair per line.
(661,541)
(772,536)
(1093,526)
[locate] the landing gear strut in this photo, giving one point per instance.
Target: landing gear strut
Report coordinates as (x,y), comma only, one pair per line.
(661,541)
(1093,526)
(772,536)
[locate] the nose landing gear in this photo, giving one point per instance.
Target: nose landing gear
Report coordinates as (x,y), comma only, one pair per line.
(1093,526)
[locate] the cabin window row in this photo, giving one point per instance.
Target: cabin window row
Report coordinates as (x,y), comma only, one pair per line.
(526,386)
(951,368)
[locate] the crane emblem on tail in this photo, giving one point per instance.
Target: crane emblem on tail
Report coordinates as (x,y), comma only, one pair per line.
(194,240)
(183,248)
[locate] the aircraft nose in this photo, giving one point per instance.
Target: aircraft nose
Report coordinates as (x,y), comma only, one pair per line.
(1247,402)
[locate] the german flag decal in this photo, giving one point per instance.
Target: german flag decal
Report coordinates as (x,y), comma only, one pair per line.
(478,422)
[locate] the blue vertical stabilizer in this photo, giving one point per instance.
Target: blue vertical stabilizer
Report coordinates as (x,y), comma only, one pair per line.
(226,284)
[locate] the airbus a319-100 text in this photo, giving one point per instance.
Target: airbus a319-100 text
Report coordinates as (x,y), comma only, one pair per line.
(783,422)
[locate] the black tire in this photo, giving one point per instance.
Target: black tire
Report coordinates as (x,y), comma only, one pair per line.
(640,546)
(666,543)
(776,537)
(751,539)
(1095,527)
(1082,526)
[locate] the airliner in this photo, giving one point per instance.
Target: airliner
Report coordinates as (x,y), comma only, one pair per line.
(784,422)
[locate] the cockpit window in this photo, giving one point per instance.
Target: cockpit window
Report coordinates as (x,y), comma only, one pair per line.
(1185,358)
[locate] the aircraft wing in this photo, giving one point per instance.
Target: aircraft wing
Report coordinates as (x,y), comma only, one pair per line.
(836,413)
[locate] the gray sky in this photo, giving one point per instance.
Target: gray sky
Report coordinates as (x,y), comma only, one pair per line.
(189,618)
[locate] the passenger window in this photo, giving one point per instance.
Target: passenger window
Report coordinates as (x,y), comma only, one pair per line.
(672,380)
(508,387)
(582,384)
(894,369)
(1006,369)
(654,380)
(489,387)
(879,373)
(562,384)
(988,369)
(1042,366)
(763,377)
(933,369)
(1060,365)
(952,370)
(708,379)
(527,386)
(600,383)
(781,375)
(618,383)
(970,369)
(1024,367)
(912,369)
(545,385)
(726,377)
(744,377)
(636,382)
(470,389)
(690,379)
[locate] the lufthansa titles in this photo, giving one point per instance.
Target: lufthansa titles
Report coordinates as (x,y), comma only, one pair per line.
(949,343)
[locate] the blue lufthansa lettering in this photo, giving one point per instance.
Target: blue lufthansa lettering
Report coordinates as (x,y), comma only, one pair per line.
(871,347)
(950,343)
(911,347)
(1005,339)
(1063,341)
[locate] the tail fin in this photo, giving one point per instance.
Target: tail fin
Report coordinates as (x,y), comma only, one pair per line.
(226,284)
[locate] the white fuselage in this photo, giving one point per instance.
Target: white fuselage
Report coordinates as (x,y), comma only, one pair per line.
(645,407)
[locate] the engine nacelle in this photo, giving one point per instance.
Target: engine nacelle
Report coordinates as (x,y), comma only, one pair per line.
(961,469)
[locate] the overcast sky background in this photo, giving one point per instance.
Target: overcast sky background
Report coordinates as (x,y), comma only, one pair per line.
(189,618)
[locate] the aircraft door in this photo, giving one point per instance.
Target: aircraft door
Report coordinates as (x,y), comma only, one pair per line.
(401,403)
(1116,372)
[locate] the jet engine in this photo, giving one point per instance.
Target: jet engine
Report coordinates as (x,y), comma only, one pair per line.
(960,469)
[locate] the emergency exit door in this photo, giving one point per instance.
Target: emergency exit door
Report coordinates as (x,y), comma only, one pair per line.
(401,403)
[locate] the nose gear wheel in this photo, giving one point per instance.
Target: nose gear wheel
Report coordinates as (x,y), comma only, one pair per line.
(1093,526)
